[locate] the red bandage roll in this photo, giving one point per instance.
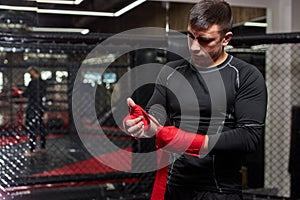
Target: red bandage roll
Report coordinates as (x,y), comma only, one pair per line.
(161,177)
(137,111)
(16,91)
(175,140)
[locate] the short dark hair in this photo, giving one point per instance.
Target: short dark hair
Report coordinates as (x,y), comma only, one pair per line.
(33,68)
(208,12)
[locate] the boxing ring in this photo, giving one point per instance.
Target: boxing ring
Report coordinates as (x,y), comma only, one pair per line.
(68,170)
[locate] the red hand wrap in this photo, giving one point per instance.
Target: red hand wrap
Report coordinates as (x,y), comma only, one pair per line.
(16,91)
(137,111)
(175,140)
(161,177)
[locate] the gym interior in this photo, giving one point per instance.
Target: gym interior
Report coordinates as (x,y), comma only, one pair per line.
(92,55)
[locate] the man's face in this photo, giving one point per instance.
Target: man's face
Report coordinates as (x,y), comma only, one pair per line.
(207,46)
(33,74)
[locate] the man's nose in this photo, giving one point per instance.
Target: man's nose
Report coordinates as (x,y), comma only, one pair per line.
(195,46)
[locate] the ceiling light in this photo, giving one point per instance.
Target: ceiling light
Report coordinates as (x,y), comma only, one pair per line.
(74,12)
(70,2)
(19,8)
(256,24)
(128,7)
(52,29)
(85,31)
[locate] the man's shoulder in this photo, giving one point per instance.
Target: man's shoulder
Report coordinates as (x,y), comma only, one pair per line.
(242,65)
(247,71)
(177,63)
(170,68)
(235,61)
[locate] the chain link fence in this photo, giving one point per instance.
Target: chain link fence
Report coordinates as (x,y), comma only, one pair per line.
(67,170)
(283,82)
(278,154)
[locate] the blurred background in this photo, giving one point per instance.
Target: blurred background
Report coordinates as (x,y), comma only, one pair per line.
(58,36)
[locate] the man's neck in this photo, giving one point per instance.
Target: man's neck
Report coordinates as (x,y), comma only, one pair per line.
(221,59)
(212,64)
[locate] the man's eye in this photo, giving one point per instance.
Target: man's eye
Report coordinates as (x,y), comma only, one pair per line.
(191,36)
(205,40)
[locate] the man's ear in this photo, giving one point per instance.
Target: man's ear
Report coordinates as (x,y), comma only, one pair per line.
(227,38)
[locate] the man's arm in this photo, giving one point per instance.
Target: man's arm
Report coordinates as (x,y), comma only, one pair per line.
(250,112)
(140,124)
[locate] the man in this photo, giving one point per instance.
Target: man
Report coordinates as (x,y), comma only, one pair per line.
(35,92)
(209,136)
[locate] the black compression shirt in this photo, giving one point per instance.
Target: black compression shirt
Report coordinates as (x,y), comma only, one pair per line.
(228,103)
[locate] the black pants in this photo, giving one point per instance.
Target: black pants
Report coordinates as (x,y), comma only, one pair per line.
(178,193)
(34,125)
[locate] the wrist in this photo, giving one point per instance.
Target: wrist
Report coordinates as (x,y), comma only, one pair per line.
(176,140)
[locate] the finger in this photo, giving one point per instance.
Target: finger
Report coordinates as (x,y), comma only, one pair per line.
(136,128)
(130,102)
(138,134)
(133,122)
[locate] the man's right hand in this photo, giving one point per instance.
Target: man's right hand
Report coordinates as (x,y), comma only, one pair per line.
(16,92)
(137,122)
